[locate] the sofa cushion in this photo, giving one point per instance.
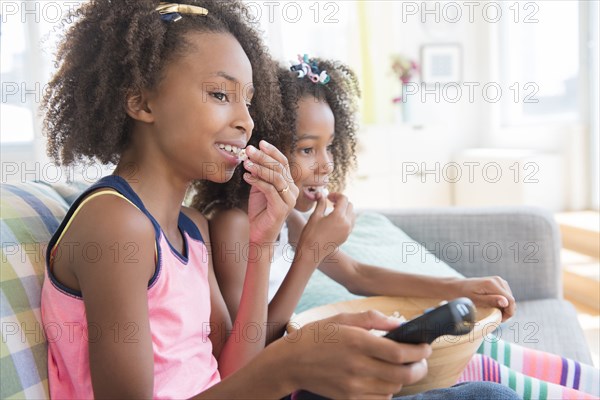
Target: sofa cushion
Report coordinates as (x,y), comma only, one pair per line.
(30,213)
(375,240)
(549,325)
(69,191)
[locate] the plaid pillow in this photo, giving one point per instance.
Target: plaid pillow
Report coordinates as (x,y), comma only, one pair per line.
(29,214)
(68,191)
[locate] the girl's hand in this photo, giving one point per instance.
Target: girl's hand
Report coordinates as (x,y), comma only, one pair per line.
(489,292)
(338,357)
(323,234)
(273,194)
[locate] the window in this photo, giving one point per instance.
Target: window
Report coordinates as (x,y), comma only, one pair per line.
(28,36)
(320,28)
(540,62)
(594,107)
(16,109)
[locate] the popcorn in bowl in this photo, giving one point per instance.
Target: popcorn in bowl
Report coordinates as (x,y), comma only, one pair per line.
(395,316)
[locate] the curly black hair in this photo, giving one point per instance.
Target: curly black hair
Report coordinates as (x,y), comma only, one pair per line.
(115,49)
(341,93)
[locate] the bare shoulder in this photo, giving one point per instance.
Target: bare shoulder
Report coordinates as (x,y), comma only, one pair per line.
(233,222)
(233,216)
(228,216)
(113,216)
(229,222)
(105,230)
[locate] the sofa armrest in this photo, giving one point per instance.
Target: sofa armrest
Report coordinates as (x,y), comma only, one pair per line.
(520,244)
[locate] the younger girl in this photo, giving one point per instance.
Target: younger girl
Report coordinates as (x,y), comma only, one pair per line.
(163,91)
(321,129)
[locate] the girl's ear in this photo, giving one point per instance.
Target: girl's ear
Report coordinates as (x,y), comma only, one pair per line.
(136,106)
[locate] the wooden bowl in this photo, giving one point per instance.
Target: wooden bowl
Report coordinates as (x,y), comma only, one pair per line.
(450,353)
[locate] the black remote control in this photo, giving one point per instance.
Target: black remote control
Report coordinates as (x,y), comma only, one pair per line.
(456,317)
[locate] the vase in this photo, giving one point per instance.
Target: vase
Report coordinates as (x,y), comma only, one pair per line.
(403,108)
(406,105)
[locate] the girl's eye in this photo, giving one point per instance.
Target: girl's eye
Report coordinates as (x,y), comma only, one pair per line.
(306,150)
(220,96)
(330,148)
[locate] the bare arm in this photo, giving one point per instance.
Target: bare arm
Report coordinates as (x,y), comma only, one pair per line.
(367,280)
(236,350)
(314,241)
(288,295)
(229,240)
(115,295)
(229,231)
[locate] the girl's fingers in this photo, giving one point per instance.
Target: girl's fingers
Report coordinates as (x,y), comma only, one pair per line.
(270,157)
(321,206)
(288,194)
(510,309)
(287,189)
(389,375)
(392,377)
(273,152)
(506,286)
(504,290)
(260,156)
(396,353)
(335,196)
(267,175)
(371,319)
(340,203)
(266,188)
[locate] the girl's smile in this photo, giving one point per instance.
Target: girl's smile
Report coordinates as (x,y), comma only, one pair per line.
(231,150)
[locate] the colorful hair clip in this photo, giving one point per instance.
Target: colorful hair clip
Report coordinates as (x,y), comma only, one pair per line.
(171,12)
(310,69)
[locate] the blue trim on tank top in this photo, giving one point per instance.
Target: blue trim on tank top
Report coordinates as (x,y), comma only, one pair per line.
(185,225)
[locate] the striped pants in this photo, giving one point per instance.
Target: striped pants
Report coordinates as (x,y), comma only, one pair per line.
(531,373)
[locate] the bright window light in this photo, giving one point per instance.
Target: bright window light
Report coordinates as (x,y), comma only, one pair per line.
(540,62)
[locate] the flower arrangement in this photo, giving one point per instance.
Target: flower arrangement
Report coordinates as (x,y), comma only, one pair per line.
(405,69)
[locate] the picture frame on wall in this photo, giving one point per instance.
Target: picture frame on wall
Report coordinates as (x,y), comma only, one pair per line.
(441,63)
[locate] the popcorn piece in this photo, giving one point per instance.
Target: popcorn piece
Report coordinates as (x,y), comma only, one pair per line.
(395,316)
(242,155)
(324,192)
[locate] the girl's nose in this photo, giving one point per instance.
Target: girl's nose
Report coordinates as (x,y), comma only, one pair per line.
(244,122)
(326,164)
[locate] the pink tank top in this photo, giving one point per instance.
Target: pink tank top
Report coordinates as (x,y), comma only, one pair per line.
(179,311)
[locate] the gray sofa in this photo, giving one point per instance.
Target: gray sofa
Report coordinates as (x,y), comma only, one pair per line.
(520,244)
